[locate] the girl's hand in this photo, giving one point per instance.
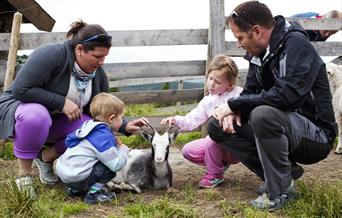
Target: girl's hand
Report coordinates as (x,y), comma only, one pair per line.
(71,110)
(221,112)
(169,120)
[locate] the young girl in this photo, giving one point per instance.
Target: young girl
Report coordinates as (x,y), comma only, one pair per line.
(222,74)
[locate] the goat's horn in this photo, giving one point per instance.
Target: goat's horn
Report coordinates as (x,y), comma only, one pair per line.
(154,130)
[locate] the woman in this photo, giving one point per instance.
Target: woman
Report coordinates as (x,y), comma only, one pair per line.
(50,98)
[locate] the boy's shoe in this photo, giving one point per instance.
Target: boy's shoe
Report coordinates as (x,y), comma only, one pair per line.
(46,174)
(210,182)
(75,194)
(264,203)
(99,197)
(25,184)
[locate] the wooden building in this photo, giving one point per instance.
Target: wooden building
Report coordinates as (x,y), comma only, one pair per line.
(32,13)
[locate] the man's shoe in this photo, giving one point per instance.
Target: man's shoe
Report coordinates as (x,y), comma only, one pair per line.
(264,203)
(25,184)
(99,197)
(46,174)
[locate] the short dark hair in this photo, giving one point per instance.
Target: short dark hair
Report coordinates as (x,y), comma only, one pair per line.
(251,13)
(81,31)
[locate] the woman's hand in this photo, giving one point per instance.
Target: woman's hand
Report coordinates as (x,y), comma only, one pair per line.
(135,125)
(71,110)
(221,112)
(168,120)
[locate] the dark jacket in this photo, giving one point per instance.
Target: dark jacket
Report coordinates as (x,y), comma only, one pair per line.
(44,79)
(291,77)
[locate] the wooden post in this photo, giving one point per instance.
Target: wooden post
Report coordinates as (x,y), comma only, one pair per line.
(180,87)
(216,39)
(12,53)
(12,57)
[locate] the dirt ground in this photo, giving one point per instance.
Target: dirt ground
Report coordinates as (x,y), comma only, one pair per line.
(240,183)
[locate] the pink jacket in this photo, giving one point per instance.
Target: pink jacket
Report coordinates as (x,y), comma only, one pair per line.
(204,110)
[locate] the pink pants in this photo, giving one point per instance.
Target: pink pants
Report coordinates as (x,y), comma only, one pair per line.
(207,153)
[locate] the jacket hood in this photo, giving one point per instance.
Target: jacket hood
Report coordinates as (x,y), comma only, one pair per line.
(74,138)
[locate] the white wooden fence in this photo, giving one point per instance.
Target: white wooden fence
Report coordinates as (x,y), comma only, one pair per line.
(167,71)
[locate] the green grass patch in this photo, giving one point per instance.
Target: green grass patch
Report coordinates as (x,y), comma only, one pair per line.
(49,202)
(164,207)
(184,138)
(317,199)
(6,153)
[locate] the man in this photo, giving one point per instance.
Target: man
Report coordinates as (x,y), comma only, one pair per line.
(284,114)
(320,35)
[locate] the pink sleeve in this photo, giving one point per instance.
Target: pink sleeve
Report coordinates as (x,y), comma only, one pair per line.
(194,118)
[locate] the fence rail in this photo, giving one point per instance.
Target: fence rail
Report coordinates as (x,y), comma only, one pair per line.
(138,73)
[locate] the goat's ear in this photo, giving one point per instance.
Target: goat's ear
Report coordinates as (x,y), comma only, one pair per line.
(147,136)
(173,135)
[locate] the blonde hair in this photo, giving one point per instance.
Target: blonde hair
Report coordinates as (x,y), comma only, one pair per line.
(104,105)
(225,63)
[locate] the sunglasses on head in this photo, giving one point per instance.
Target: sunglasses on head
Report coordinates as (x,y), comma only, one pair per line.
(98,38)
(235,15)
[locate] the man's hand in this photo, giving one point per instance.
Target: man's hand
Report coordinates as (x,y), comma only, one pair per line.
(71,110)
(135,125)
(227,123)
(221,112)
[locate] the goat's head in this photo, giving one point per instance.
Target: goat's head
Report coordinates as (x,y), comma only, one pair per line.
(334,75)
(160,139)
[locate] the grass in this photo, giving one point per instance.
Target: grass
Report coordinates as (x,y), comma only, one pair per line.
(163,207)
(315,199)
(49,203)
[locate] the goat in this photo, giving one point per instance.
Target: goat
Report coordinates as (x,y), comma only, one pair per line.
(335,81)
(144,168)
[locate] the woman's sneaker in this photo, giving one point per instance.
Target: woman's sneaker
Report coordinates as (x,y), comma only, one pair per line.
(209,181)
(25,184)
(99,197)
(46,174)
(264,203)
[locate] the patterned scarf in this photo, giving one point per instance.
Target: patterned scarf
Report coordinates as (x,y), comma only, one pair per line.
(81,78)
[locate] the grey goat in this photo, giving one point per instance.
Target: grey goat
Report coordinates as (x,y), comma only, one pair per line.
(148,168)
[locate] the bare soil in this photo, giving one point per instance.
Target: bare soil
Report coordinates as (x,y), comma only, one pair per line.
(240,184)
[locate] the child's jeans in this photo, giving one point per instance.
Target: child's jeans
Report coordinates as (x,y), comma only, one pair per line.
(206,152)
(100,174)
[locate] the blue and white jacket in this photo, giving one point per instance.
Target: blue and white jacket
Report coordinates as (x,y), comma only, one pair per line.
(91,143)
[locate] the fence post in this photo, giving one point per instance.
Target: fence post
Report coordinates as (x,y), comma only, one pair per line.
(216,38)
(12,57)
(180,87)
(12,53)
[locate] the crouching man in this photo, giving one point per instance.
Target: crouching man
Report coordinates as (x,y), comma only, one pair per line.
(284,115)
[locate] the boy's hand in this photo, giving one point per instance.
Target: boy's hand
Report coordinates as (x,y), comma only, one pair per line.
(135,125)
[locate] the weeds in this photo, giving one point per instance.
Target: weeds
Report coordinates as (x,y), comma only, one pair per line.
(164,207)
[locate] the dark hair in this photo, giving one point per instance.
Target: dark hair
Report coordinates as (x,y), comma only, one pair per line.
(81,31)
(251,13)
